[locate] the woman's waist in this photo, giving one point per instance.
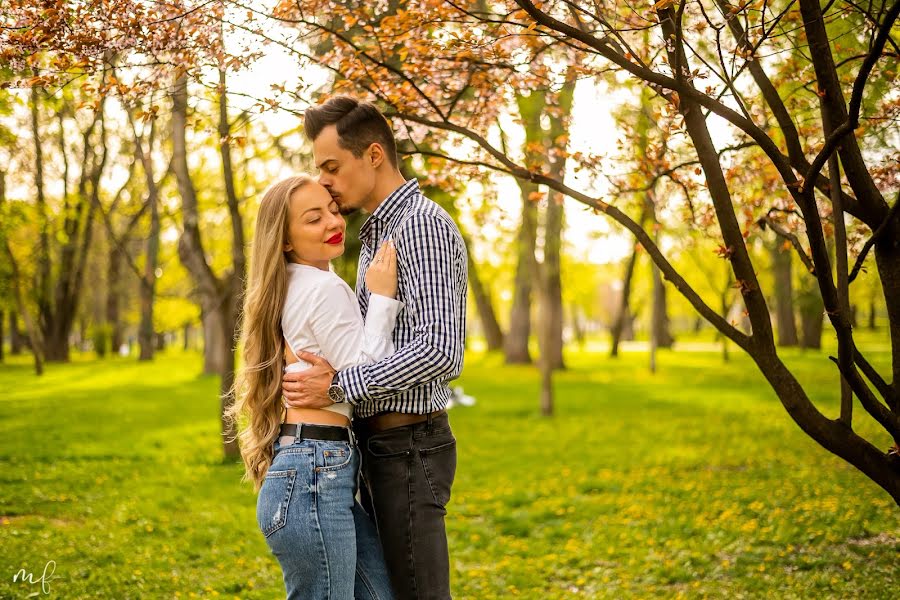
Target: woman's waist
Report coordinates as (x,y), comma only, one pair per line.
(318,416)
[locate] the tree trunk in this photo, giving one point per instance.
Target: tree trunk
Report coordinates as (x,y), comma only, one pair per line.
(31,329)
(887,258)
(811,323)
(577,325)
(831,434)
(871,314)
(659,328)
(213,341)
(531,108)
(515,343)
(235,281)
(550,328)
(219,298)
(43,259)
(190,245)
(43,291)
(57,313)
(15,276)
(811,308)
(485,306)
(784,294)
(146,338)
(82,333)
(623,315)
(113,292)
(15,336)
(558,112)
(546,387)
(230,446)
(660,334)
(725,306)
(57,344)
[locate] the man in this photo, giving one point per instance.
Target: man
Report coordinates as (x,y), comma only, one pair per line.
(408,450)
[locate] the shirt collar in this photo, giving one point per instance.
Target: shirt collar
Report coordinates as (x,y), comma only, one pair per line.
(388,210)
(393,204)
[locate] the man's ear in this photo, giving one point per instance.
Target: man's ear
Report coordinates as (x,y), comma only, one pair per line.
(376,154)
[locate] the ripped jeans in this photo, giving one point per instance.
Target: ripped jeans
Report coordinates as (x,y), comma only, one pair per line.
(326,544)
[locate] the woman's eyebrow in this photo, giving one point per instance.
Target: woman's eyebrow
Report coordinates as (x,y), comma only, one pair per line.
(311,209)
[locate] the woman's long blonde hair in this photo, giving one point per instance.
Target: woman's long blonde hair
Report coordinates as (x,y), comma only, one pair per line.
(257,410)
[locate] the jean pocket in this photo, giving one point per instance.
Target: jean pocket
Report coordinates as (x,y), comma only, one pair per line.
(389,445)
(334,456)
(274,500)
(439,464)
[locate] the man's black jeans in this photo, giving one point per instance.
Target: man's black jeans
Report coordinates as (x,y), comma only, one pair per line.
(407,474)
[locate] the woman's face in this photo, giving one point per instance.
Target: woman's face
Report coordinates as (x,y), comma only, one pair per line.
(315,227)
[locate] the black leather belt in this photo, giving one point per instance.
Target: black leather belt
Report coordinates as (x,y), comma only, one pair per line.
(306,431)
(390,420)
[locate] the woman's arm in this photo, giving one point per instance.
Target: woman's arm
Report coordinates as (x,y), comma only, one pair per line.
(342,336)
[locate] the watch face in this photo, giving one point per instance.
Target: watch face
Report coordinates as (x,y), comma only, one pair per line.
(336,393)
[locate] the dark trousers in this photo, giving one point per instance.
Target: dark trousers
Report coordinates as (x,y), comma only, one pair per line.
(407,473)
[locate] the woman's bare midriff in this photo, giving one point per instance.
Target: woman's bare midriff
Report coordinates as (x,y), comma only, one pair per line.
(315,416)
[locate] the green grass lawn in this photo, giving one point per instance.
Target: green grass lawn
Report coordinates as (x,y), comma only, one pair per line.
(692,482)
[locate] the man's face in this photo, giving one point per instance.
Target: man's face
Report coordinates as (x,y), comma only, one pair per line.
(349,180)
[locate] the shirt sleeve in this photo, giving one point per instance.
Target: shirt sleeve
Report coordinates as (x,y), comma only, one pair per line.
(428,248)
(342,336)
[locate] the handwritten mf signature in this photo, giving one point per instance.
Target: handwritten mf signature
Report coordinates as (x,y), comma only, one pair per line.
(45,578)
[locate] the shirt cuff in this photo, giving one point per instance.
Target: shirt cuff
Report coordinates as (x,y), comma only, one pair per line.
(353,382)
(382,315)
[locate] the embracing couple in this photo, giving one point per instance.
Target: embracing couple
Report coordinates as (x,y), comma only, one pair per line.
(342,396)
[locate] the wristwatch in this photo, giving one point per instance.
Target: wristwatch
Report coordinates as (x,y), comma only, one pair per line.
(335,391)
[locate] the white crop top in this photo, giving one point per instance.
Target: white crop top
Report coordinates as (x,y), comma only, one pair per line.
(321,315)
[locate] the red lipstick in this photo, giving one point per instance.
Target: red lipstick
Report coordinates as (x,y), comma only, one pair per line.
(335,239)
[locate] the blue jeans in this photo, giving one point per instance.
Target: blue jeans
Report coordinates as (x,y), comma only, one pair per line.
(326,544)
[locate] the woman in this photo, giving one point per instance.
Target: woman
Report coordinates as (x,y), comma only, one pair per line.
(303,461)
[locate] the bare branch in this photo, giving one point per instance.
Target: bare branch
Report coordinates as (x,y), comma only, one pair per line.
(768,221)
(856,96)
(643,237)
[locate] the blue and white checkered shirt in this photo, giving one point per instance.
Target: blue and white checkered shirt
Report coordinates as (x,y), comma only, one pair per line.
(431,329)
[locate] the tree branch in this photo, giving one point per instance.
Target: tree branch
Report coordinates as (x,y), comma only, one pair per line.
(643,237)
(793,239)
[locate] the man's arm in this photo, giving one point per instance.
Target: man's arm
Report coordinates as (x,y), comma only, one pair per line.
(430,257)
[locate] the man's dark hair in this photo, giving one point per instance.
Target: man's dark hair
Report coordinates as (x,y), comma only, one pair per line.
(359,125)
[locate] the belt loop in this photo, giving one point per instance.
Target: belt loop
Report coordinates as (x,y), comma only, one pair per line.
(430,418)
